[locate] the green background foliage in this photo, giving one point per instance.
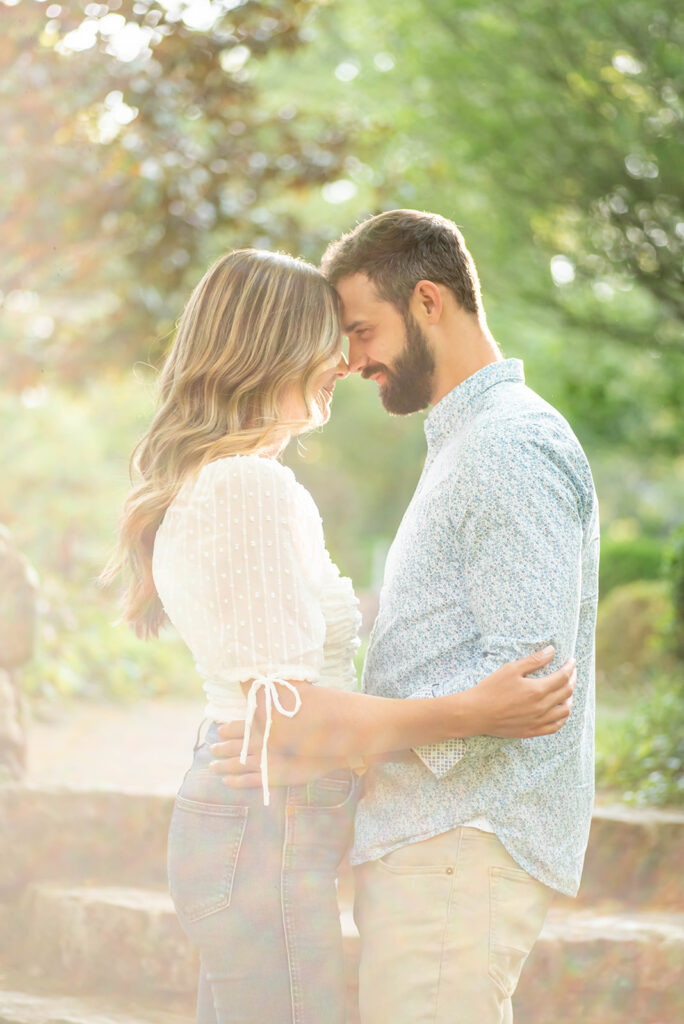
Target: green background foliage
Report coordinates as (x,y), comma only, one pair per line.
(141,138)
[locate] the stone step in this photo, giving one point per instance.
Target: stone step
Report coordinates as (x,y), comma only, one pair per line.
(120,838)
(635,855)
(81,835)
(605,968)
(30,1008)
(593,966)
(103,938)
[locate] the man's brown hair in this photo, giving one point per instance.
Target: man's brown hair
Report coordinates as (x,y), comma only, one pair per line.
(397,249)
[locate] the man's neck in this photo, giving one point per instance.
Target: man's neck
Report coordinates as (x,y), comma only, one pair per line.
(465,351)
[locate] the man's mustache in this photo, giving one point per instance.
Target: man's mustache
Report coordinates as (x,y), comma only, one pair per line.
(368,371)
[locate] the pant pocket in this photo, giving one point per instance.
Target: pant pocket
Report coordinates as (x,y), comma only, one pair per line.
(518,905)
(204,844)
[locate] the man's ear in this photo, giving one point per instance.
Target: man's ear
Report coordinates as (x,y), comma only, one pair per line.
(426,302)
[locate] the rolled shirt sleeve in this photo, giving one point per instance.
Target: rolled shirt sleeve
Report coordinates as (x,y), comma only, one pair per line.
(520,531)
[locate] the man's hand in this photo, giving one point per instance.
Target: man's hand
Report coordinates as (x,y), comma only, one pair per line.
(510,703)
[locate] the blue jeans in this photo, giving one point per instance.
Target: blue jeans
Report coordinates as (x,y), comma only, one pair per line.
(255,890)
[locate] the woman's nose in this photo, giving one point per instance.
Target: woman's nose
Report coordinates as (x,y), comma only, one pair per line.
(342,369)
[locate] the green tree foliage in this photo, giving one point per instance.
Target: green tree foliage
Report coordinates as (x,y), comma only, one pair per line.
(551,133)
(142,137)
(136,147)
(583,125)
(569,114)
(65,466)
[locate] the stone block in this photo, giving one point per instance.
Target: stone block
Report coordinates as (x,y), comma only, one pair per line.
(108,939)
(81,835)
(634,856)
(604,968)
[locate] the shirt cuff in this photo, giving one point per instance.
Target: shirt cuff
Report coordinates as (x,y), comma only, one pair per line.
(440,758)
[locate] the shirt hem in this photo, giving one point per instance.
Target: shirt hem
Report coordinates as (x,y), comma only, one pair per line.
(357,858)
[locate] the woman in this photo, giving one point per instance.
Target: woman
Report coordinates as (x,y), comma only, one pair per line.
(221,539)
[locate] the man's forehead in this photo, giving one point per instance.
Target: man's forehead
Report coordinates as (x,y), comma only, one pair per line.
(359,298)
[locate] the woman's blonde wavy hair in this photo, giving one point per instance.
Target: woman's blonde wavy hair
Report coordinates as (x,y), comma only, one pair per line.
(257,324)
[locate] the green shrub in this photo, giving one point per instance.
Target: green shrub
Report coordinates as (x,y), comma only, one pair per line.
(643,755)
(675,566)
(629,631)
(640,750)
(623,561)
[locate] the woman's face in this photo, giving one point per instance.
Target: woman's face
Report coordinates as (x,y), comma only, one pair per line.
(294,406)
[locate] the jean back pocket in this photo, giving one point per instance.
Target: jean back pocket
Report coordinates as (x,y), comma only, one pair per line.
(204,844)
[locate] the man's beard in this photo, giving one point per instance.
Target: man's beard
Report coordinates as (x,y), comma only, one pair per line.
(408,386)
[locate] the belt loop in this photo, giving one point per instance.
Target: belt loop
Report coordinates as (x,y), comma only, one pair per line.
(198,741)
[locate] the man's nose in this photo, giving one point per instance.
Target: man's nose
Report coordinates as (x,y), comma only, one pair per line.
(356,359)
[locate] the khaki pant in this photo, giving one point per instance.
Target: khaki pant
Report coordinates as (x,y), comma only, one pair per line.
(446,925)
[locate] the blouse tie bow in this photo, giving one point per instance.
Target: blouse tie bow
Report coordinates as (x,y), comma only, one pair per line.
(270,685)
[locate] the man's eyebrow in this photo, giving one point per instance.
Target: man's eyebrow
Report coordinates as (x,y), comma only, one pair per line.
(352,327)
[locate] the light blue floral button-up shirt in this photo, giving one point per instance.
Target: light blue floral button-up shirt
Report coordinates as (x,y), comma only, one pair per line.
(496,556)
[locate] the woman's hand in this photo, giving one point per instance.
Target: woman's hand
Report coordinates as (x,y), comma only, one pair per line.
(283,770)
(509,703)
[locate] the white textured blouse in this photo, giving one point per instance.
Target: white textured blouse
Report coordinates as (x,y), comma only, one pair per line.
(242,570)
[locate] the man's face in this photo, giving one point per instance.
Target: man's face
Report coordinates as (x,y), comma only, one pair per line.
(386,347)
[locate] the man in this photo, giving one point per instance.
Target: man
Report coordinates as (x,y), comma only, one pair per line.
(459,849)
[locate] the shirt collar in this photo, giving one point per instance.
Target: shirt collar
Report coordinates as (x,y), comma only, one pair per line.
(457,407)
